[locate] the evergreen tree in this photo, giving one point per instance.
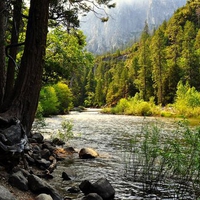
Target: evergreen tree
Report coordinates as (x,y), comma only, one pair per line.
(173,51)
(158,43)
(188,59)
(144,81)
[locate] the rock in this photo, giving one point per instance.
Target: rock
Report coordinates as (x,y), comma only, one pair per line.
(45,153)
(92,196)
(44,197)
(38,185)
(38,137)
(74,189)
(43,163)
(102,187)
(70,150)
(5,194)
(65,176)
(85,187)
(19,181)
(86,153)
(58,142)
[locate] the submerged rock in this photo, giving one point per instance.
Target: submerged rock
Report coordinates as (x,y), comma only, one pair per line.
(86,153)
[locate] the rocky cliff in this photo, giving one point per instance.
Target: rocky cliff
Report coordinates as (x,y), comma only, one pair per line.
(126,22)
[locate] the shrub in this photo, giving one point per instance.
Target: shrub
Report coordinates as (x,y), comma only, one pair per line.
(187,101)
(64,96)
(49,101)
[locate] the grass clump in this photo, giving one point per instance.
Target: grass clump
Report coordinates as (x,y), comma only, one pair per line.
(167,164)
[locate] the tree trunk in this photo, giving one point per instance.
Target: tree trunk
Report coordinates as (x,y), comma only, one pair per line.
(24,100)
(17,17)
(2,51)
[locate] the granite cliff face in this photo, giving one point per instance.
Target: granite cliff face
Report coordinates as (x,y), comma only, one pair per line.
(126,22)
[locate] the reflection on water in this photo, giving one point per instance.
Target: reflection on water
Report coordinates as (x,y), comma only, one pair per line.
(109,135)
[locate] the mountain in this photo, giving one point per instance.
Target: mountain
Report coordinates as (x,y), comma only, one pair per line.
(125,23)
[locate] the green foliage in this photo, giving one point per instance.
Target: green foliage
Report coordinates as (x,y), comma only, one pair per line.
(187,102)
(155,64)
(66,133)
(56,99)
(64,96)
(49,101)
(134,106)
(156,158)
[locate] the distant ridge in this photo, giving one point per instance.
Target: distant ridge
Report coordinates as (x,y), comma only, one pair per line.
(126,23)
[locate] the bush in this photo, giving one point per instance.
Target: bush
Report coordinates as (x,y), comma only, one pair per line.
(64,96)
(49,101)
(187,102)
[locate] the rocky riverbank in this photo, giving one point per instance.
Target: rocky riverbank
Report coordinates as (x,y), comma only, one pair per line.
(28,179)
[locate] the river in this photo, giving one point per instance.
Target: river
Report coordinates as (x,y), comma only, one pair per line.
(109,135)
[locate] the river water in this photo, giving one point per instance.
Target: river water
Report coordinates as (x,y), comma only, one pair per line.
(109,135)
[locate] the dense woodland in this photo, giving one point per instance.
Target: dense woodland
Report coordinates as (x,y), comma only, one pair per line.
(154,65)
(151,67)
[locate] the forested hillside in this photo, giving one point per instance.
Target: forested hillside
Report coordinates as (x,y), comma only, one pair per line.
(153,66)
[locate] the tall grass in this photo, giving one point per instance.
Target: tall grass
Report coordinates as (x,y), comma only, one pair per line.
(167,164)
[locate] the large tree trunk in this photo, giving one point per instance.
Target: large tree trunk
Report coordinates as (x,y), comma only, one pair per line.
(2,51)
(17,17)
(24,100)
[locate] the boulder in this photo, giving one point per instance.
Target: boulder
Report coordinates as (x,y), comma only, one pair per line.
(92,196)
(38,137)
(86,153)
(19,181)
(5,194)
(86,187)
(102,187)
(43,197)
(37,185)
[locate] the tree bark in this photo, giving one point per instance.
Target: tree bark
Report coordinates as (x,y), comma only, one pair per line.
(17,17)
(2,51)
(24,100)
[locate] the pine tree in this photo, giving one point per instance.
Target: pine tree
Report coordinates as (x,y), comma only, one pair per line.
(144,81)
(158,63)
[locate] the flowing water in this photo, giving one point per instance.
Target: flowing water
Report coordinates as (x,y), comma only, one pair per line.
(109,135)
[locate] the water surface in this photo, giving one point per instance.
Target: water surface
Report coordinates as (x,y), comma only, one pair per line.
(109,135)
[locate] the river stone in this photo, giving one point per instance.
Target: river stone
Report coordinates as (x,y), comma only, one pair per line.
(38,185)
(92,196)
(5,194)
(38,137)
(86,153)
(103,188)
(86,187)
(19,181)
(44,197)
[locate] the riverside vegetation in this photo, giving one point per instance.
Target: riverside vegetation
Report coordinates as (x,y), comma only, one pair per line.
(166,164)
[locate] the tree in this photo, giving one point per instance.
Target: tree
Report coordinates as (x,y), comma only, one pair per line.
(188,59)
(2,50)
(23,99)
(158,63)
(144,80)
